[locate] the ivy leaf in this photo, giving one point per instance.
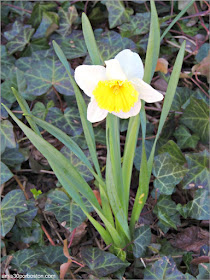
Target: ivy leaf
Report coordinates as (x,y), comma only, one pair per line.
(199,208)
(24,9)
(164,268)
(6,174)
(13,203)
(12,157)
(142,238)
(24,260)
(45,74)
(204,271)
(7,63)
(168,173)
(52,254)
(196,118)
(72,45)
(202,52)
(80,166)
(117,14)
(166,211)
(198,175)
(13,32)
(38,9)
(173,150)
(100,135)
(66,18)
(69,121)
(181,98)
(101,263)
(7,135)
(185,139)
(138,25)
(110,44)
(25,218)
(67,212)
(20,41)
(47,26)
(32,234)
(137,158)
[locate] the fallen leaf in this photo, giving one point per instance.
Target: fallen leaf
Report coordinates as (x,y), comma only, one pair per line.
(65,266)
(190,239)
(162,65)
(78,235)
(203,67)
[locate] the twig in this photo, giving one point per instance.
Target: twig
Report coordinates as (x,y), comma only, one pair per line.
(47,234)
(72,237)
(18,8)
(59,98)
(21,186)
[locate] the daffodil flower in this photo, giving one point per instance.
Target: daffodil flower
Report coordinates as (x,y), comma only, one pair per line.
(117,88)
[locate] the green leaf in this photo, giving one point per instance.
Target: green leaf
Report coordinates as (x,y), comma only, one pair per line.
(142,239)
(52,254)
(39,110)
(138,153)
(138,25)
(13,32)
(90,41)
(73,45)
(25,218)
(67,212)
(199,208)
(20,41)
(45,74)
(168,98)
(78,164)
(173,150)
(153,45)
(68,121)
(38,9)
(164,268)
(117,14)
(198,175)
(100,262)
(181,98)
(12,157)
(7,135)
(42,270)
(66,18)
(202,52)
(23,10)
(48,24)
(110,43)
(32,234)
(87,126)
(7,63)
(168,173)
(6,174)
(13,203)
(24,260)
(166,211)
(185,139)
(204,271)
(196,118)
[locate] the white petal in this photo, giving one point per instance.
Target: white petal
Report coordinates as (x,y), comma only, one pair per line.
(131,64)
(88,76)
(114,71)
(94,113)
(133,111)
(146,92)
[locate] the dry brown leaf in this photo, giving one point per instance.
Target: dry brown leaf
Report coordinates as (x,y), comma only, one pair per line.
(79,234)
(191,239)
(65,266)
(162,65)
(203,67)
